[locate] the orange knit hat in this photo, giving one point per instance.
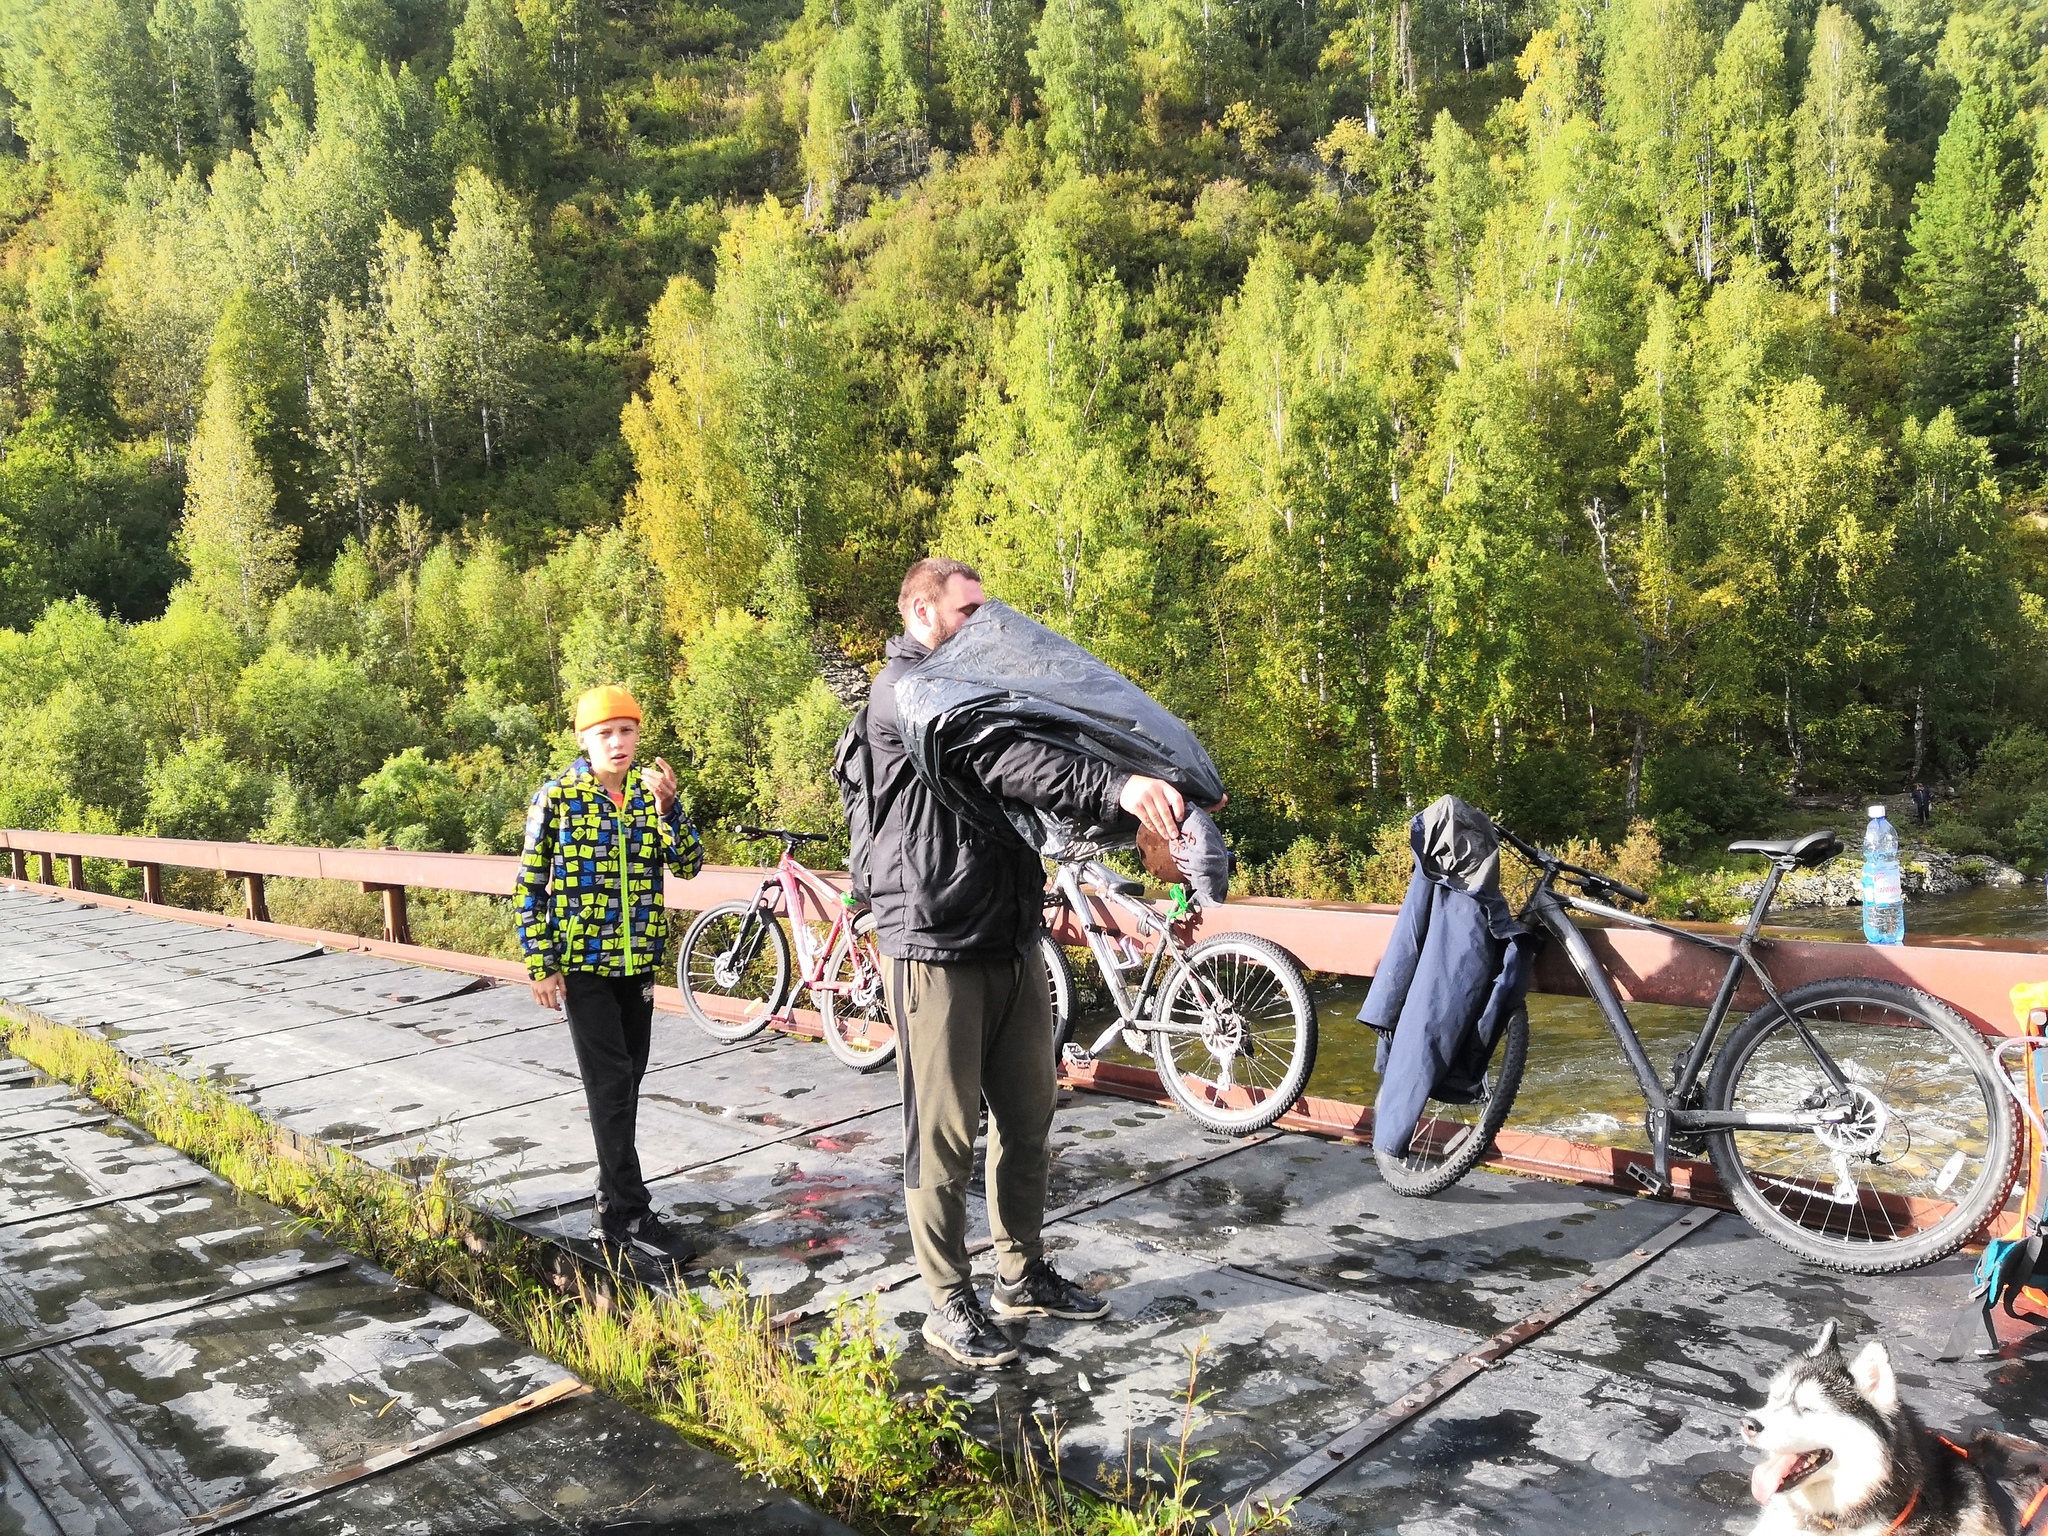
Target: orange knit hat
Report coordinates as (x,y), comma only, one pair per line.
(594,706)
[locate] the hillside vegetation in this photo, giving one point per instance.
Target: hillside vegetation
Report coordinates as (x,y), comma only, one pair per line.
(1615,413)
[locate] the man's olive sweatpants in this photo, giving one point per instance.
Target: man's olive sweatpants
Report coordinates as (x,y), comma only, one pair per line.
(968,1031)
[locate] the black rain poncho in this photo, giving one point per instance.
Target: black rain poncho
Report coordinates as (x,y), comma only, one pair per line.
(1002,672)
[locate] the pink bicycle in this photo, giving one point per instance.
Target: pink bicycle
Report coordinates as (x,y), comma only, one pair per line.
(739,954)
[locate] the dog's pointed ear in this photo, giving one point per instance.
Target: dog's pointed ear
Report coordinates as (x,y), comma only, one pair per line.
(1871,1370)
(1825,1343)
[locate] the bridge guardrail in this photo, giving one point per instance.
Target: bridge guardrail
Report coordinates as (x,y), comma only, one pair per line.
(1975,976)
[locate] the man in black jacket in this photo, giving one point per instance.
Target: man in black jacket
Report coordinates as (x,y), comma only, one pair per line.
(958,910)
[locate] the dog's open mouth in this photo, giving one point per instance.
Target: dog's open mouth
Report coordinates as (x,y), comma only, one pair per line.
(1788,1469)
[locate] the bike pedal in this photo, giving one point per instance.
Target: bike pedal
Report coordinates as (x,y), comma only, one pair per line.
(1075,1058)
(1653,1183)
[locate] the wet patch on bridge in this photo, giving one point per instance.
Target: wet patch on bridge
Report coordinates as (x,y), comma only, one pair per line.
(1313,1296)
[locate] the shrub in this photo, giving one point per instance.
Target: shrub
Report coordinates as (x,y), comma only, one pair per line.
(319,718)
(1951,832)
(199,791)
(1696,795)
(77,747)
(413,802)
(2009,779)
(793,784)
(466,923)
(1328,869)
(1308,870)
(329,905)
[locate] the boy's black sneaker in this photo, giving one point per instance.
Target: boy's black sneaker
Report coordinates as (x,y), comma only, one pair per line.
(961,1332)
(1042,1291)
(644,1237)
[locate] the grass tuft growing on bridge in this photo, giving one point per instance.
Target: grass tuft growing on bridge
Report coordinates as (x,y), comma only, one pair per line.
(821,1415)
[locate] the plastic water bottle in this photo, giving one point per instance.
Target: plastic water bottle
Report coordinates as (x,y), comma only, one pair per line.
(1884,899)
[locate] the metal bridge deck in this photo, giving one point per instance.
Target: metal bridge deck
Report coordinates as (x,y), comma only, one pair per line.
(1314,1295)
(310,1361)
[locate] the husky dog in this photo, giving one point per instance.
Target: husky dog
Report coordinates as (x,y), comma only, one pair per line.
(1842,1454)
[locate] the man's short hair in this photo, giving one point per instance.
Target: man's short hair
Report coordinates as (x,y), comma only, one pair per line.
(927,579)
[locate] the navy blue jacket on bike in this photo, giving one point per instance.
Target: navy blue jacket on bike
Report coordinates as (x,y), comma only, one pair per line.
(1454,972)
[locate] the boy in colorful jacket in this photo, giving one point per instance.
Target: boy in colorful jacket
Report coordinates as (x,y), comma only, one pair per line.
(593,927)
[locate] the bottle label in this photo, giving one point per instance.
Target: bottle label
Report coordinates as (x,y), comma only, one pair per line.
(1881,888)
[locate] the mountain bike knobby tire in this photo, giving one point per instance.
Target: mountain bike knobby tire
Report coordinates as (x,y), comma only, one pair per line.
(1273,1019)
(860,1031)
(872,1049)
(1902,1186)
(763,979)
(1452,1139)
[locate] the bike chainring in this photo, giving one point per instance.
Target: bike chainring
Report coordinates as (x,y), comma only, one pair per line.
(1684,1143)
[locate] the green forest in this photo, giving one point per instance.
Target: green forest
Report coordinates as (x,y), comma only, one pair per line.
(1625,414)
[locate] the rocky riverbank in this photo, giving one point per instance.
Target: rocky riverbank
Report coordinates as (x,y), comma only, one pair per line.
(1924,870)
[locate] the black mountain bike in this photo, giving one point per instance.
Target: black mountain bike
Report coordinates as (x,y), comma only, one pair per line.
(1859,1123)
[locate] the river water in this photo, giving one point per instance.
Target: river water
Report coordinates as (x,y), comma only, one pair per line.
(1576,1083)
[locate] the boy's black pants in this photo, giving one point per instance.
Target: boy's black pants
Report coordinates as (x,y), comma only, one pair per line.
(610,1022)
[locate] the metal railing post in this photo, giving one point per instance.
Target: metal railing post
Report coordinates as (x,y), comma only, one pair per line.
(46,869)
(254,907)
(397,930)
(17,859)
(74,870)
(152,880)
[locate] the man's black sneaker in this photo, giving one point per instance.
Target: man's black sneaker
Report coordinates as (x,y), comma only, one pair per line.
(961,1331)
(1042,1291)
(647,1237)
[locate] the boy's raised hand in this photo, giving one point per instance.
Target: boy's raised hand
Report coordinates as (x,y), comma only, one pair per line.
(661,783)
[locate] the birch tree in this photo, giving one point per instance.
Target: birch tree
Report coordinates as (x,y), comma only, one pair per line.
(1838,145)
(493,291)
(230,540)
(1753,127)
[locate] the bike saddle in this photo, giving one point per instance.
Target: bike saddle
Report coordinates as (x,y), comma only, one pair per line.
(1814,848)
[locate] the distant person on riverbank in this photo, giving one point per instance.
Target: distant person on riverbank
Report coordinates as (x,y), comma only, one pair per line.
(1923,804)
(958,911)
(593,927)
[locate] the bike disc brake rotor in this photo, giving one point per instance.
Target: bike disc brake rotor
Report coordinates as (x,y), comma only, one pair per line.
(867,991)
(1860,1132)
(1223,1036)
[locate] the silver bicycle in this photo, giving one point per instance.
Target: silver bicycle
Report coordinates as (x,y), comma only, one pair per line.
(1228,1022)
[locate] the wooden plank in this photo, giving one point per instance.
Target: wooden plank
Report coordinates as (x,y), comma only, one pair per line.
(46,1212)
(292,1494)
(196,1304)
(899,1274)
(51,1130)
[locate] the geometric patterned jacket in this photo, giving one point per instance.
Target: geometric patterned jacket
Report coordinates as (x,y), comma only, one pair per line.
(577,874)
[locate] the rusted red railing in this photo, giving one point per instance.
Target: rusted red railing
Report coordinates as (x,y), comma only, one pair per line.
(1975,976)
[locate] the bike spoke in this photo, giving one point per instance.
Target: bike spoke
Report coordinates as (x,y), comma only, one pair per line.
(1252,999)
(728,963)
(855,1005)
(1916,1142)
